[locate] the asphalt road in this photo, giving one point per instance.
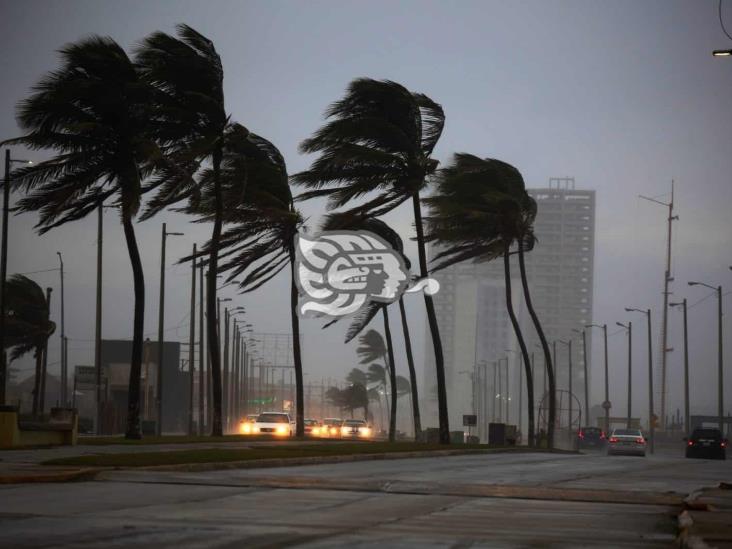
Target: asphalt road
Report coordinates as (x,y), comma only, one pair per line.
(499,500)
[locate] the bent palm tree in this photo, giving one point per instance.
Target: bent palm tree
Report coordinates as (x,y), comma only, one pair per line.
(345,221)
(262,223)
(94,112)
(28,325)
(476,211)
(380,139)
(372,348)
(191,123)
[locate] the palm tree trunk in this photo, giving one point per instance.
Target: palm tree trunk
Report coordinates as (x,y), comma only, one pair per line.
(133,391)
(434,329)
(211,310)
(544,346)
(414,396)
(296,352)
(392,376)
(519,337)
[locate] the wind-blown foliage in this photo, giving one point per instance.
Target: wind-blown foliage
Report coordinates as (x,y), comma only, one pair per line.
(378,140)
(94,112)
(479,210)
(27,321)
(260,221)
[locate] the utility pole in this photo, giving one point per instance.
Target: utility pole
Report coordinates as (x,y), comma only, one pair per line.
(225,392)
(201,355)
(569,384)
(44,365)
(667,278)
(64,375)
(651,418)
(720,354)
(3,276)
(161,320)
(98,323)
(586,374)
(629,328)
(192,343)
(687,419)
(495,368)
(606,404)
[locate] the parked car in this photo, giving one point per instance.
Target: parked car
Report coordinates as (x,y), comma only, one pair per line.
(706,443)
(591,437)
(312,427)
(274,423)
(626,442)
(356,428)
(331,427)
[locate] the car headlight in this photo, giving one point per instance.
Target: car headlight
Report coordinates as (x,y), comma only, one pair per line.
(255,429)
(245,428)
(344,430)
(333,431)
(281,430)
(316,430)
(364,431)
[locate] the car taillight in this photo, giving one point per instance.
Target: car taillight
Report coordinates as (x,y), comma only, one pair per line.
(640,440)
(723,444)
(613,439)
(602,435)
(581,434)
(690,443)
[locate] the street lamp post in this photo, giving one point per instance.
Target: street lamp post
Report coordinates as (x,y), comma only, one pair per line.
(64,373)
(568,343)
(520,386)
(585,368)
(629,327)
(192,343)
(161,320)
(651,418)
(720,353)
(683,306)
(4,270)
(606,405)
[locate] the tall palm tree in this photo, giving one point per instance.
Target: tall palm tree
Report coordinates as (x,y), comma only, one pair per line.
(476,211)
(191,122)
(94,113)
(261,225)
(372,347)
(379,140)
(28,325)
(378,377)
(346,221)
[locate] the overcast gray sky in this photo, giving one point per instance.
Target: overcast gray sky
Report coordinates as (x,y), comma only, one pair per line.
(622,95)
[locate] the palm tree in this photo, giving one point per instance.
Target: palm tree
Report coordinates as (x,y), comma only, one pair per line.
(351,222)
(191,124)
(380,139)
(94,113)
(372,348)
(476,212)
(28,326)
(261,221)
(358,377)
(377,377)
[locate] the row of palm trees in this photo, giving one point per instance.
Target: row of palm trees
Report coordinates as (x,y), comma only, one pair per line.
(155,125)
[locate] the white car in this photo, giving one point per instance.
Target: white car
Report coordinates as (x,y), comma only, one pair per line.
(626,441)
(355,428)
(276,424)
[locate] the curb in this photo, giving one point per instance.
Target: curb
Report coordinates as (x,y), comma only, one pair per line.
(64,476)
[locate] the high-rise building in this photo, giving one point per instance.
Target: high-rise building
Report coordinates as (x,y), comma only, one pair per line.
(475,327)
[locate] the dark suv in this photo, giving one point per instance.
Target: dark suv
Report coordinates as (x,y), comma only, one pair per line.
(706,443)
(591,437)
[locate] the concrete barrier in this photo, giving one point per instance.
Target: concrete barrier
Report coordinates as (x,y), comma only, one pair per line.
(62,428)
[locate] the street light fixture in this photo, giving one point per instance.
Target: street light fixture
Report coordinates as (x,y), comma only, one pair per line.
(683,306)
(629,327)
(651,417)
(4,268)
(720,355)
(606,404)
(161,320)
(722,53)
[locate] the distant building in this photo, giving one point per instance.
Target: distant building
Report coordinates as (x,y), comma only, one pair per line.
(471,305)
(116,376)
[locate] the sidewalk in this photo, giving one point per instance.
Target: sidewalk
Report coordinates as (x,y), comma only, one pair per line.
(707,520)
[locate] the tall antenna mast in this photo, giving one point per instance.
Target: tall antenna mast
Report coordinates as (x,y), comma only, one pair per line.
(667,279)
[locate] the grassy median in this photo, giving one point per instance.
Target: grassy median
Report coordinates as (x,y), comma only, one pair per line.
(226,455)
(174,439)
